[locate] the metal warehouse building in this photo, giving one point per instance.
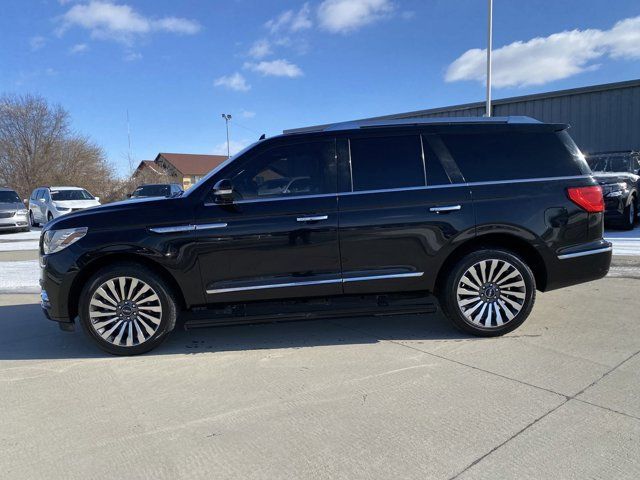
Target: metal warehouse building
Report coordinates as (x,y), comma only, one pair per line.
(603,118)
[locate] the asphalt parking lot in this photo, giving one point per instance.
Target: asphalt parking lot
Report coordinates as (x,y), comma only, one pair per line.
(388,397)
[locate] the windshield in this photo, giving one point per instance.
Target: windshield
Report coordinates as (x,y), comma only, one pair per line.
(9,197)
(611,164)
(63,195)
(152,191)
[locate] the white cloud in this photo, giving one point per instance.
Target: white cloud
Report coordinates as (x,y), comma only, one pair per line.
(275,68)
(545,59)
(247,114)
(106,20)
(234,145)
(78,48)
(291,20)
(235,82)
(344,16)
(132,56)
(36,43)
(260,49)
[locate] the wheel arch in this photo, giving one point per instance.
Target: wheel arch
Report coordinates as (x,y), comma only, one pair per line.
(529,254)
(90,269)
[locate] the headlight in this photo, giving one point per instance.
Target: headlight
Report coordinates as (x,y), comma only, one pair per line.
(615,189)
(23,211)
(60,208)
(56,240)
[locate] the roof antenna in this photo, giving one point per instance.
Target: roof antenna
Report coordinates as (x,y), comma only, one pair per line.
(262,137)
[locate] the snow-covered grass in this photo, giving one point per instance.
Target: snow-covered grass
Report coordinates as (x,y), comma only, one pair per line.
(624,242)
(34,234)
(20,277)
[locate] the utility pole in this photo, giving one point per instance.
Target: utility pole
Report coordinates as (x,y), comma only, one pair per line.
(129,139)
(227,117)
(489,46)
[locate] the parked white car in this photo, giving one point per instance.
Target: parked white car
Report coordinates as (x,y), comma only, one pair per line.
(47,203)
(13,213)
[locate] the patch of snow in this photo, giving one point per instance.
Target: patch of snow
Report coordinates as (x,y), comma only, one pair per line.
(20,277)
(624,242)
(34,234)
(18,245)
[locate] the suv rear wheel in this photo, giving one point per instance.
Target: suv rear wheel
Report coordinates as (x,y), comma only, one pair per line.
(127,309)
(488,293)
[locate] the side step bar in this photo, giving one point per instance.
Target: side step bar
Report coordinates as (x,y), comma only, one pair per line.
(315,309)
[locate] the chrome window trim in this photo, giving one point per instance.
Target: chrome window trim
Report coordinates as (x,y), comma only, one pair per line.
(403,189)
(583,254)
(314,282)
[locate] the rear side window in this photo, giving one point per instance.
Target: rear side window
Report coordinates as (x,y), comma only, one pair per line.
(436,174)
(511,155)
(380,163)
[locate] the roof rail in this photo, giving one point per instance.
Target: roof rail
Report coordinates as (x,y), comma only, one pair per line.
(362,124)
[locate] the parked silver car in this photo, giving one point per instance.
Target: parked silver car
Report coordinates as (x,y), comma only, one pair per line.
(13,213)
(47,203)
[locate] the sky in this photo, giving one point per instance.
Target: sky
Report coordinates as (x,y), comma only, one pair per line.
(176,66)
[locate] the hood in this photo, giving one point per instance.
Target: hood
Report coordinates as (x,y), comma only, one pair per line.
(11,207)
(104,215)
(604,178)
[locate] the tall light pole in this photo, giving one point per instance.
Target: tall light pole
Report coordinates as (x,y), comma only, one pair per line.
(489,46)
(227,117)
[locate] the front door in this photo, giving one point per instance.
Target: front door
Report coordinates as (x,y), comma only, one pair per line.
(401,216)
(279,236)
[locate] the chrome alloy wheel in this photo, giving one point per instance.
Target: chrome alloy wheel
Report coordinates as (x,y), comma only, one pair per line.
(125,311)
(491,293)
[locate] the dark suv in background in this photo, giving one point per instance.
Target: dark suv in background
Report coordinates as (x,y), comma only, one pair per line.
(481,212)
(619,176)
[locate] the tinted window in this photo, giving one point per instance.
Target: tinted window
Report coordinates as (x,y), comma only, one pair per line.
(291,170)
(9,197)
(152,191)
(380,163)
(512,155)
(436,174)
(62,195)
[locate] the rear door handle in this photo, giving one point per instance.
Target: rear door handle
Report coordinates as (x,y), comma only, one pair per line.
(316,218)
(448,208)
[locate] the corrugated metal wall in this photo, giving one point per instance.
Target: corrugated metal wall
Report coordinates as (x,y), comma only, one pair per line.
(602,119)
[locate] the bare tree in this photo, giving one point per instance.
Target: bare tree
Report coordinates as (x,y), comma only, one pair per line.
(38,148)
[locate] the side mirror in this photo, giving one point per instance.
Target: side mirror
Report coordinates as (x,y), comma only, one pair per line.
(223,190)
(129,195)
(25,201)
(97,199)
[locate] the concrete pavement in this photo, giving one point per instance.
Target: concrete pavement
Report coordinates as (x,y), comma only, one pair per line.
(368,398)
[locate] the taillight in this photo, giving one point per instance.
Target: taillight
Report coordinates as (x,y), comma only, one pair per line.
(588,198)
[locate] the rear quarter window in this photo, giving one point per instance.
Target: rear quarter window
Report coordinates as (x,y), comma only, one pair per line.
(484,157)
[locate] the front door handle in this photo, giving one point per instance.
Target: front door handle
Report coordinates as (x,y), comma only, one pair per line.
(448,208)
(316,218)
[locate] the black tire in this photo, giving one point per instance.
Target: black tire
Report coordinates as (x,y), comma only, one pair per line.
(167,302)
(49,217)
(32,221)
(500,301)
(629,215)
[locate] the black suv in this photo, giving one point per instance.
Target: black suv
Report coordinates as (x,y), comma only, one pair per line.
(481,212)
(619,176)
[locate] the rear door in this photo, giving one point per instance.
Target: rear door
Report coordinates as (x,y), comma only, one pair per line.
(401,213)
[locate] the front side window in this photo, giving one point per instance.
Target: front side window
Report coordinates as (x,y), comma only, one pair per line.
(290,170)
(63,195)
(382,163)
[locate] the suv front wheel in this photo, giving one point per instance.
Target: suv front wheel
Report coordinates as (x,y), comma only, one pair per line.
(488,293)
(127,309)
